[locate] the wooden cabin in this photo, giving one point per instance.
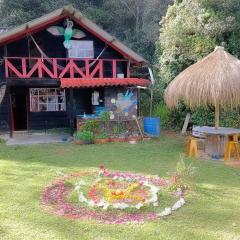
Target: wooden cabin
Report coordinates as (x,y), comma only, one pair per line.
(44,84)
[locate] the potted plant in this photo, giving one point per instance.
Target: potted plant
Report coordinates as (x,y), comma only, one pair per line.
(102,138)
(118,134)
(85,137)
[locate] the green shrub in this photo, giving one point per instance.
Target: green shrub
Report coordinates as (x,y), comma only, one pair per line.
(84,135)
(104,116)
(163,112)
(102,135)
(202,117)
(90,125)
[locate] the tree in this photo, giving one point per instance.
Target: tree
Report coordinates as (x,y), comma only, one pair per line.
(191,29)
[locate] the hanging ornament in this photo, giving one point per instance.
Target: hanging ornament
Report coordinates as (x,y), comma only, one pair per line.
(67,32)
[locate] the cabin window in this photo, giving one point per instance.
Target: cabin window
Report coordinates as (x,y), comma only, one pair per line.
(47,100)
(81,49)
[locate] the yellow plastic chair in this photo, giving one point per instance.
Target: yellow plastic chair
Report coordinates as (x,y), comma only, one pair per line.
(231,147)
(192,149)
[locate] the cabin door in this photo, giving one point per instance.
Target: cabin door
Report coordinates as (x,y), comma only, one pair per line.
(19,109)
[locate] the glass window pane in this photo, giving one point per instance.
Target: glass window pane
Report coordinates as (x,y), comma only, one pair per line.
(34,103)
(61,99)
(52,99)
(52,91)
(61,107)
(43,107)
(51,107)
(43,91)
(42,99)
(33,91)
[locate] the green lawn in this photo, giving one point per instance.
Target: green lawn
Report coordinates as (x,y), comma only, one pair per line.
(213,212)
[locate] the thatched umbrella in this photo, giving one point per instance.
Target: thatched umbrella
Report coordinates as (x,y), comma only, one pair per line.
(215,80)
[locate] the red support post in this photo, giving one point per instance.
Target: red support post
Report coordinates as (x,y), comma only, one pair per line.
(87,67)
(71,68)
(39,64)
(114,68)
(6,68)
(24,68)
(101,68)
(55,69)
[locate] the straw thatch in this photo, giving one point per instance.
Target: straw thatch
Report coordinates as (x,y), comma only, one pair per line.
(215,80)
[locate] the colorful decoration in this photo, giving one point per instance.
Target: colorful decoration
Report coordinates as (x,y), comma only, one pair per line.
(125,102)
(68,33)
(107,198)
(119,193)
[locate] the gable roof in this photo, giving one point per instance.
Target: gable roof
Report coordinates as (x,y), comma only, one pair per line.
(68,11)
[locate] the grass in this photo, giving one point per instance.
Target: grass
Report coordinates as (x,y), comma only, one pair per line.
(211,213)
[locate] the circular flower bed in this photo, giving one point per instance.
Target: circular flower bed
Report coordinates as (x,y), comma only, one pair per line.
(111,197)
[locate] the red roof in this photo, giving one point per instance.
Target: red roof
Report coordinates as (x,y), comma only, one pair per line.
(102,82)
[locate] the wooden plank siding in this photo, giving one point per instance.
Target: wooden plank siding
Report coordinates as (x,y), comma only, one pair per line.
(4,108)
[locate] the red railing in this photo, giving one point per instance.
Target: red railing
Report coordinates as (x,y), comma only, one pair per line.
(23,67)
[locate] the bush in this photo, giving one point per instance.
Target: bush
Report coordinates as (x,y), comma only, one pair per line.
(104,116)
(163,112)
(202,117)
(102,135)
(85,136)
(90,125)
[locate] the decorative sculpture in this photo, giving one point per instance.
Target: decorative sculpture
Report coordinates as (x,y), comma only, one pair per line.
(68,33)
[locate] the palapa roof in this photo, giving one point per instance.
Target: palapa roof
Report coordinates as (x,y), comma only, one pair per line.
(69,11)
(215,80)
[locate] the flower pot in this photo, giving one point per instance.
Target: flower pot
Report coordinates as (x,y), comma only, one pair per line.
(102,140)
(78,142)
(118,139)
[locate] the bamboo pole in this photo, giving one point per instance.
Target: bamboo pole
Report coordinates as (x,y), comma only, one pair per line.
(217,109)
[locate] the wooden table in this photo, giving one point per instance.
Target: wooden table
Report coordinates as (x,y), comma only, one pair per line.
(216,139)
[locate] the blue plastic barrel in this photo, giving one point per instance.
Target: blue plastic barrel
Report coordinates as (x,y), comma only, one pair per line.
(151,126)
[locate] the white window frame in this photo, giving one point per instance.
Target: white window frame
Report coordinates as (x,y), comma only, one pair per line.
(47,96)
(78,51)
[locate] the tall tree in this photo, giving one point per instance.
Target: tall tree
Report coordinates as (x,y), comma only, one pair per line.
(192,28)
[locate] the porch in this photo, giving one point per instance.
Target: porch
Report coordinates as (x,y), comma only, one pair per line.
(26,138)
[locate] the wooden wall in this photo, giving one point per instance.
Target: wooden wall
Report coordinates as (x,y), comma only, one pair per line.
(4,111)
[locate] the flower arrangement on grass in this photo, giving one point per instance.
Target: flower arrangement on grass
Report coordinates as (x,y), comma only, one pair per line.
(111,197)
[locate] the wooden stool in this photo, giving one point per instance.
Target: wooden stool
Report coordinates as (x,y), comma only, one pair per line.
(231,146)
(192,149)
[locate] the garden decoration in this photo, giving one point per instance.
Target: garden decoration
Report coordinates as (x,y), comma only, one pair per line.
(68,33)
(124,103)
(212,81)
(112,197)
